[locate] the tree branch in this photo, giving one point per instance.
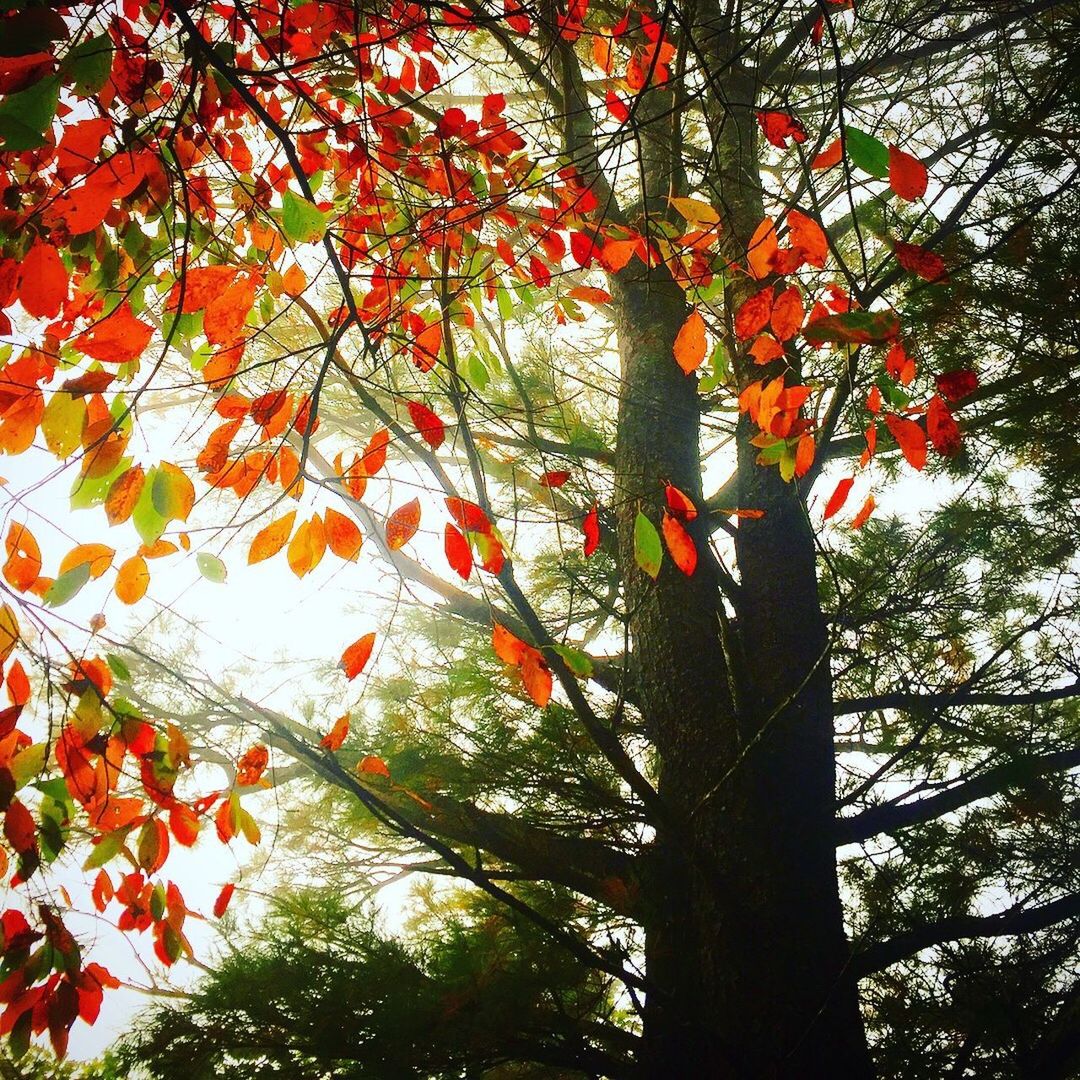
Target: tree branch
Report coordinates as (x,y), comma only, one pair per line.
(887,819)
(1009,923)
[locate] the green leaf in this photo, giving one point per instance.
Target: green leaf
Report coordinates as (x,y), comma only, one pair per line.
(172,493)
(854,328)
(211,567)
(648,553)
(87,492)
(506,303)
(62,424)
(107,848)
(867,153)
(148,522)
(25,117)
(578,662)
(67,585)
(303,222)
(27,764)
(88,65)
(787,463)
(118,667)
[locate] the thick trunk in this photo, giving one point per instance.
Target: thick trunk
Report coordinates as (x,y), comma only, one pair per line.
(745,947)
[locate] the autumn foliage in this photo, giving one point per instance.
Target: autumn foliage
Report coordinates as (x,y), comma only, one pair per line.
(181,185)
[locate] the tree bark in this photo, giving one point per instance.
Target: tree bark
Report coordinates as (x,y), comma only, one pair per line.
(745,947)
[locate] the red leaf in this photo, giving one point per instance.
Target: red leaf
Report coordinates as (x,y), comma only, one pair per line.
(402,524)
(839,497)
(583,248)
(554,479)
(942,428)
(778,127)
(919,260)
(954,386)
(375,454)
(907,175)
(458,552)
(909,437)
(333,739)
(468,515)
(899,365)
(222,901)
(19,827)
(354,659)
(679,503)
(830,156)
(591,527)
(430,428)
(118,339)
(43,281)
(689,348)
(679,544)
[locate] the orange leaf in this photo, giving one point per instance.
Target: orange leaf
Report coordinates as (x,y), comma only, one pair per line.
(402,524)
(98,556)
(354,659)
(458,552)
(762,250)
(430,428)
(766,349)
(536,677)
(271,540)
(307,547)
(374,766)
(184,823)
(753,314)
(508,647)
(689,346)
(808,238)
(909,437)
(124,494)
(907,175)
(333,739)
(294,281)
(804,454)
(132,580)
(342,535)
(222,901)
(679,544)
(589,294)
(43,281)
(863,516)
(252,765)
(787,314)
(839,496)
(23,566)
(616,254)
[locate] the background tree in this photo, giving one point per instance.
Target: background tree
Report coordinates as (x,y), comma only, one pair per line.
(477,278)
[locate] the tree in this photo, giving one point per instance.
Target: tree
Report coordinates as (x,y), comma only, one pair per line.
(608,292)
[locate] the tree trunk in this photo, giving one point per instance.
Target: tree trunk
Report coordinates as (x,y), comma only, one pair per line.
(745,946)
